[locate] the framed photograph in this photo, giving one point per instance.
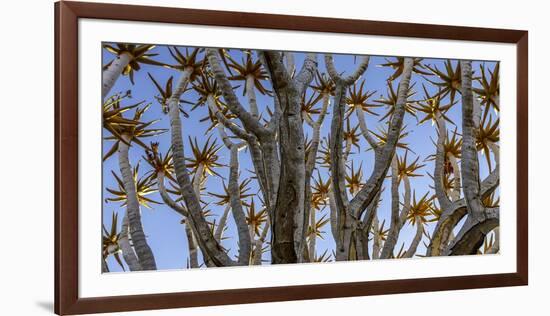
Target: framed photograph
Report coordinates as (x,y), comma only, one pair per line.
(210,157)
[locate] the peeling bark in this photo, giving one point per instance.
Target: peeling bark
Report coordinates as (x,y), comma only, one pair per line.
(289,218)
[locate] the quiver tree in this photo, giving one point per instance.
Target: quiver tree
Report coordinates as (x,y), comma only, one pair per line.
(128,58)
(480,218)
(303,132)
(124,133)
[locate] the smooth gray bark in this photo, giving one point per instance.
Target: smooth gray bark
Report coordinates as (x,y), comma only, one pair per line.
(137,235)
(111,74)
(218,234)
(416,239)
(208,244)
(192,247)
(395,221)
(245,246)
(128,252)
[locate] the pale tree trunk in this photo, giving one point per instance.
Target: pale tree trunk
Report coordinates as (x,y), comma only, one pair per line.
(347,151)
(480,220)
(192,250)
(496,245)
(362,243)
(406,199)
(376,242)
(363,126)
(245,237)
(237,209)
(251,232)
(310,166)
(290,64)
(137,235)
(346,225)
(192,247)
(417,238)
(395,223)
(111,74)
(337,168)
(208,244)
(258,245)
(470,170)
(455,195)
(128,252)
(398,218)
(289,205)
(261,139)
(251,95)
(289,222)
(313,238)
(362,235)
(218,234)
(440,191)
(452,213)
(191,239)
(476,112)
(257,254)
(333,214)
(495,148)
(197,180)
(385,154)
(166,198)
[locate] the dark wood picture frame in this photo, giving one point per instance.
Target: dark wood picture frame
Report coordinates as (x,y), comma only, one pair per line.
(67,14)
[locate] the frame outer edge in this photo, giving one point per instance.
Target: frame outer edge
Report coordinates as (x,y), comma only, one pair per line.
(523,157)
(56,159)
(66,159)
(165,14)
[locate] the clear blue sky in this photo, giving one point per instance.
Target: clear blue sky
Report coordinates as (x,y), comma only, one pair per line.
(166,235)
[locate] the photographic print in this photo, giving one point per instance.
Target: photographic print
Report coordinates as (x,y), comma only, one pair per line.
(219,157)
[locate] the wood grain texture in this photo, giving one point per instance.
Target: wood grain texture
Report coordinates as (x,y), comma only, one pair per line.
(67,14)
